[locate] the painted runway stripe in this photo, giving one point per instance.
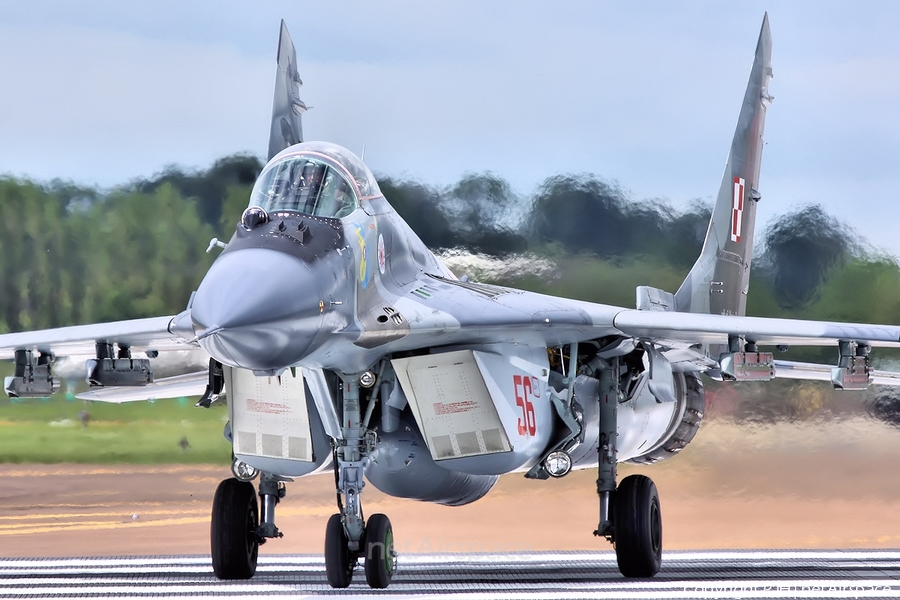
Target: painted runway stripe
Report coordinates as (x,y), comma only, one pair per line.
(552,575)
(51,522)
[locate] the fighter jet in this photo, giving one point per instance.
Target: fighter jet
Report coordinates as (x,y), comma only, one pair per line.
(341,344)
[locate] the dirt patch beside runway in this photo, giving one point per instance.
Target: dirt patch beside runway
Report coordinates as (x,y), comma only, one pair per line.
(832,485)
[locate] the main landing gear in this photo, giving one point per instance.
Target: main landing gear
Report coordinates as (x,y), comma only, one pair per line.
(348,535)
(235,517)
(237,528)
(630,515)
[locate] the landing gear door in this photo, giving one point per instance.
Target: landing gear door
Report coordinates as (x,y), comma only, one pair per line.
(269,416)
(452,405)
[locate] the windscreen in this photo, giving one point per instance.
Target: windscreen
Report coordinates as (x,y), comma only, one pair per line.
(304,184)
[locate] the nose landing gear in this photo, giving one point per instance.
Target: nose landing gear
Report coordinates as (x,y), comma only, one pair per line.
(348,535)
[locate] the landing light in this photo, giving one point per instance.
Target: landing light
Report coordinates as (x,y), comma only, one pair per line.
(253,217)
(243,471)
(558,464)
(367,379)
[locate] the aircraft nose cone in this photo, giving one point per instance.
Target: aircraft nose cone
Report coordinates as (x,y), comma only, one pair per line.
(257,309)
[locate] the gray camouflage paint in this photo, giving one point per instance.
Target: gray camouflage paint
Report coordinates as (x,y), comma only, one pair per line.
(341,294)
(286,129)
(719,281)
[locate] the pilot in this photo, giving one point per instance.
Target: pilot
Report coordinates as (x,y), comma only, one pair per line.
(344,200)
(312,177)
(308,188)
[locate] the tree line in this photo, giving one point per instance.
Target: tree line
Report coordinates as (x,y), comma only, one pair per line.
(74,254)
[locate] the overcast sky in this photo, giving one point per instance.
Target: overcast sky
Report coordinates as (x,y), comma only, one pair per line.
(644,93)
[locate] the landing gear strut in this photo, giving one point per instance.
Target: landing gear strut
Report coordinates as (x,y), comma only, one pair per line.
(348,536)
(630,515)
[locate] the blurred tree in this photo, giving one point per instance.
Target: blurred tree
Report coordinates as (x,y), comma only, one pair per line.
(209,187)
(70,254)
(421,208)
(151,254)
(801,249)
(583,213)
(481,209)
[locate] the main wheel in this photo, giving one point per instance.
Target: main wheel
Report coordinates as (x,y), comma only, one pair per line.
(233,539)
(637,527)
(379,551)
(339,561)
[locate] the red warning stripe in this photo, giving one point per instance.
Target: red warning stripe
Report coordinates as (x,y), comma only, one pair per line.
(737,209)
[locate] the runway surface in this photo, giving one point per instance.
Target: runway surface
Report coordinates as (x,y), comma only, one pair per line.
(557,575)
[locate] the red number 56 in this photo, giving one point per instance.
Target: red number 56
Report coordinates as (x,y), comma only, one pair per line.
(523,388)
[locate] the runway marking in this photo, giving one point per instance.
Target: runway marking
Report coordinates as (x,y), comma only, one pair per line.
(98,525)
(100,514)
(552,575)
(125,521)
(130,470)
(67,521)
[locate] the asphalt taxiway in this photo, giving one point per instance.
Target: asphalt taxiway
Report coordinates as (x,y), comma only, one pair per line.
(556,575)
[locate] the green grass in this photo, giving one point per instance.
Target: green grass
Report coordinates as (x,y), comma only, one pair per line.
(51,431)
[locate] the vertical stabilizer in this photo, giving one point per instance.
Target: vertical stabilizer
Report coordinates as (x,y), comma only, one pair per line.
(287,106)
(719,280)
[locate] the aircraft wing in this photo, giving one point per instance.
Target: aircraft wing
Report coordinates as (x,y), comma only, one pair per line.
(154,333)
(452,312)
(785,369)
(716,329)
(189,384)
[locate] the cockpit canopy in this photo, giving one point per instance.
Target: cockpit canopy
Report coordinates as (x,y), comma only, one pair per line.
(314,178)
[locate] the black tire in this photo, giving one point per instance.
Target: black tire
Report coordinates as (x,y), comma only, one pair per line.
(637,527)
(379,550)
(233,539)
(339,561)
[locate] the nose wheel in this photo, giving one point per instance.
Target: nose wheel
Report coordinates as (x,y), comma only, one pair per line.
(234,542)
(379,551)
(339,560)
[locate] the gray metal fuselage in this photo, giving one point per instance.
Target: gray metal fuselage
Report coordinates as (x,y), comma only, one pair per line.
(358,289)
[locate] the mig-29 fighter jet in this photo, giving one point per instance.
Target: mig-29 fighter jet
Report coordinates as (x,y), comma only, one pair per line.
(341,344)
